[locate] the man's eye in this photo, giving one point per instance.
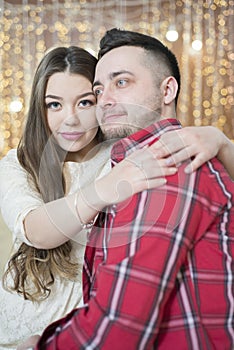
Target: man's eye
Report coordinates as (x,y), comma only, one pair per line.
(98,92)
(122,82)
(53,105)
(86,103)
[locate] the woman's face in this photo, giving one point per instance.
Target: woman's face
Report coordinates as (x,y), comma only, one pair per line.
(70,105)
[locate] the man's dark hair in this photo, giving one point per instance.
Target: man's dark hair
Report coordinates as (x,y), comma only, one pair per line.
(116,37)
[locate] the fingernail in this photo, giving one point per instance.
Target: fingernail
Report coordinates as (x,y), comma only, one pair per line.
(169,161)
(188,170)
(162,181)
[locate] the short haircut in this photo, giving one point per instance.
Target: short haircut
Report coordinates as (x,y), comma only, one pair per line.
(116,37)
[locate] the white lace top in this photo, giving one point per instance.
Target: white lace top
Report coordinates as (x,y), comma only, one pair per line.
(21,318)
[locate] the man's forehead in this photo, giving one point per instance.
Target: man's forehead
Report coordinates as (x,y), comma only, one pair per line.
(119,59)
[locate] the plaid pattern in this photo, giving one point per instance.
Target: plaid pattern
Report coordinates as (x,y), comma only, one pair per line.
(158,270)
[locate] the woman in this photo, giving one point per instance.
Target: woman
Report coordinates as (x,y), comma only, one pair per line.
(59,153)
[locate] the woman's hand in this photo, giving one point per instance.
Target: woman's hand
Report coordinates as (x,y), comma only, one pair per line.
(202,143)
(137,172)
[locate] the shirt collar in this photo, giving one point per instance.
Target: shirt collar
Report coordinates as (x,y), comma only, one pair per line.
(141,138)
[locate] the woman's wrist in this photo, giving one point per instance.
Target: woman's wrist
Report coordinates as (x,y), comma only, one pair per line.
(84,225)
(224,146)
(226,154)
(88,202)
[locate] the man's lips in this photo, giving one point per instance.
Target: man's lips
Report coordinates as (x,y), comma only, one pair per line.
(109,118)
(71,136)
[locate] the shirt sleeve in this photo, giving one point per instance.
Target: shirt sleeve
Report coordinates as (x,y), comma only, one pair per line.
(148,241)
(17,196)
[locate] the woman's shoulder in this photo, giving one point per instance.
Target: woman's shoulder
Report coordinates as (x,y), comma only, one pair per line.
(10,158)
(10,164)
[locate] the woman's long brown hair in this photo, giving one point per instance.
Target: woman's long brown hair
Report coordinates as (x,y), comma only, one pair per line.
(33,270)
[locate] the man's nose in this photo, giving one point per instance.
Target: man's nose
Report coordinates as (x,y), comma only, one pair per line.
(107,98)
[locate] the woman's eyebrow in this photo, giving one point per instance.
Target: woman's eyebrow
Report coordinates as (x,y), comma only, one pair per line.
(79,96)
(53,96)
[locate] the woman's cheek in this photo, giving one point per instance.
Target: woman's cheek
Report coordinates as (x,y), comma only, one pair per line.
(88,119)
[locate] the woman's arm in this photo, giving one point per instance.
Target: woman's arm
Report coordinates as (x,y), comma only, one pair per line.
(49,225)
(202,143)
(54,223)
(226,155)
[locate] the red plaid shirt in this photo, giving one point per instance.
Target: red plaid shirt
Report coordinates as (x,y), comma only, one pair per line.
(161,273)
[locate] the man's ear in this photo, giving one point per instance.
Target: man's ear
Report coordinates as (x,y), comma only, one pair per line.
(169,87)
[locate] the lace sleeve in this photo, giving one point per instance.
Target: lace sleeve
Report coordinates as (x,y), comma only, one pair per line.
(17,196)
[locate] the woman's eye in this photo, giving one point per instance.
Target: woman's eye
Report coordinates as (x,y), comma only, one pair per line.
(53,105)
(86,103)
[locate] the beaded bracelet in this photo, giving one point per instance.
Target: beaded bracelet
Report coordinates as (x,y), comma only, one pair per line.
(83,225)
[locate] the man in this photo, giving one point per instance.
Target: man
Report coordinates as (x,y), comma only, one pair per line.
(159,273)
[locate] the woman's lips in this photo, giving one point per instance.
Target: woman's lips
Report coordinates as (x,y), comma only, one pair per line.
(71,136)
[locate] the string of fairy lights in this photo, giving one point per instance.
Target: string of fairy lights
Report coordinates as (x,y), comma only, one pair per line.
(201,33)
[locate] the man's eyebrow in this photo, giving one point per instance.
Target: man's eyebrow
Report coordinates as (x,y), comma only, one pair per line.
(96,83)
(113,75)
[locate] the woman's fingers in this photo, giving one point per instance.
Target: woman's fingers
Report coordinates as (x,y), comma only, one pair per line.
(149,166)
(154,183)
(168,144)
(198,160)
(180,156)
(190,143)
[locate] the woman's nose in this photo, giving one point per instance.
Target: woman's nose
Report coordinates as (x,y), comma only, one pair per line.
(72,117)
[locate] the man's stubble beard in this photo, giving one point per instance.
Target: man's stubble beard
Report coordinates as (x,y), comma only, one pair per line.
(143,121)
(118,132)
